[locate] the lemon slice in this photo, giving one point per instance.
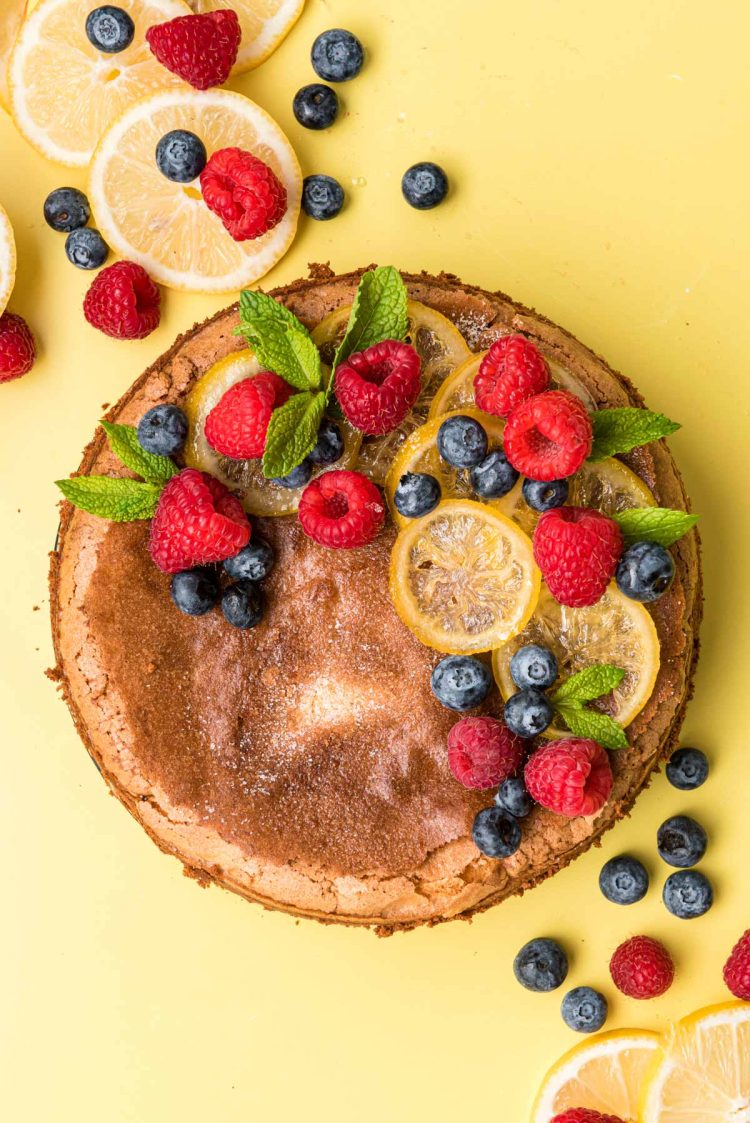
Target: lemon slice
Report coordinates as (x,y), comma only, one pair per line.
(440,346)
(166,226)
(704,1075)
(11,18)
(7,260)
(616,630)
(65,93)
(605,1074)
(463,578)
(264,24)
(259,496)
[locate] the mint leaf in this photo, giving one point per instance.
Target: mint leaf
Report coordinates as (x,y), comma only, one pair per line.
(592,725)
(280,341)
(112,498)
(620,430)
(589,684)
(292,433)
(123,440)
(378,313)
(662,525)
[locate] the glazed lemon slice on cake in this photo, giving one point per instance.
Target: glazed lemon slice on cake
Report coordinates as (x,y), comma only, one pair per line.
(7,260)
(12,16)
(463,578)
(64,92)
(264,24)
(616,630)
(166,226)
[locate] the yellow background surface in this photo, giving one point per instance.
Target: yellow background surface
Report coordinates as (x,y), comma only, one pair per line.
(598,155)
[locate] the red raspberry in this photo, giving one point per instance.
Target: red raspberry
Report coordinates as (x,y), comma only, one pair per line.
(482,752)
(577,550)
(238,423)
(571,777)
(585,1115)
(737,968)
(123,302)
(245,193)
(510,372)
(549,436)
(202,49)
(642,968)
(17,347)
(341,510)
(197,522)
(376,388)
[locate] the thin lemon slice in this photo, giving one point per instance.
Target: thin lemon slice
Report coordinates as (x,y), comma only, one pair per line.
(605,1074)
(441,348)
(704,1076)
(166,226)
(264,24)
(65,93)
(259,496)
(12,16)
(7,260)
(616,630)
(463,578)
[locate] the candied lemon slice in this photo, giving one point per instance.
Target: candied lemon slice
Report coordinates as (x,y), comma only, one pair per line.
(264,24)
(440,346)
(11,17)
(463,578)
(7,260)
(615,630)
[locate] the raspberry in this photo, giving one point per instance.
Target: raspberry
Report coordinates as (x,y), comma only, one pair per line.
(238,423)
(737,968)
(585,1115)
(577,550)
(571,777)
(202,49)
(341,510)
(510,372)
(17,347)
(482,752)
(245,193)
(642,968)
(549,436)
(197,522)
(123,302)
(376,388)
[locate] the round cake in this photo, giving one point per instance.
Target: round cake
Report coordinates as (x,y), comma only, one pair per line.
(302,763)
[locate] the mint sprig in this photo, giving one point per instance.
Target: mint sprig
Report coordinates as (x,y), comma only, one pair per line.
(123,440)
(293,432)
(120,500)
(592,724)
(569,700)
(662,525)
(379,312)
(620,430)
(280,341)
(588,684)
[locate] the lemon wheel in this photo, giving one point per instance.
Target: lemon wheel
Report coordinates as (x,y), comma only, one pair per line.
(264,23)
(7,260)
(11,18)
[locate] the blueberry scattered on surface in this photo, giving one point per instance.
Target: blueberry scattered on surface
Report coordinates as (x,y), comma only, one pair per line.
(181,156)
(624,880)
(163,430)
(298,476)
(644,572)
(330,444)
(543,496)
(494,476)
(687,769)
(584,1010)
(513,797)
(253,563)
(496,833)
(66,209)
(322,197)
(534,665)
(337,55)
(681,841)
(85,248)
(462,442)
(109,29)
(416,494)
(528,712)
(424,185)
(316,106)
(242,604)
(195,591)
(461,682)
(688,894)
(541,965)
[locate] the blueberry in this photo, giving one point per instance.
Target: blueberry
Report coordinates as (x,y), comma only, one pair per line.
(253,563)
(527,713)
(584,1010)
(624,880)
(316,106)
(416,494)
(543,496)
(688,894)
(298,476)
(533,665)
(681,841)
(513,797)
(461,682)
(181,156)
(195,591)
(163,430)
(330,445)
(687,769)
(109,29)
(424,185)
(541,965)
(86,248)
(322,197)
(462,442)
(494,476)
(496,833)
(644,572)
(242,604)
(337,55)
(66,209)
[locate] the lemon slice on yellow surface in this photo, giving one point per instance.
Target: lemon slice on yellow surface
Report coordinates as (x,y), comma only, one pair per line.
(605,1074)
(440,346)
(264,24)
(166,226)
(616,630)
(704,1075)
(11,17)
(463,578)
(7,260)
(64,92)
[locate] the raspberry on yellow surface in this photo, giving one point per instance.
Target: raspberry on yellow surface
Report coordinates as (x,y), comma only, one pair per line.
(265,24)
(166,226)
(64,92)
(12,15)
(7,260)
